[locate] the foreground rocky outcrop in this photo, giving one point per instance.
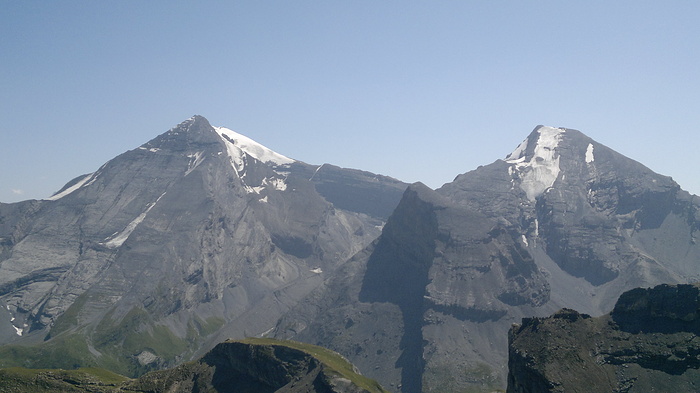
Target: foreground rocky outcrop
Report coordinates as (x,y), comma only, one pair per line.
(260,366)
(251,366)
(649,342)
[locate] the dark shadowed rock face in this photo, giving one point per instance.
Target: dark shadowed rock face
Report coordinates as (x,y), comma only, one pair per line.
(428,277)
(196,236)
(562,221)
(662,309)
(250,367)
(648,343)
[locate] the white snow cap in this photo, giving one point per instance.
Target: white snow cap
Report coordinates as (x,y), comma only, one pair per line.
(253,148)
(542,169)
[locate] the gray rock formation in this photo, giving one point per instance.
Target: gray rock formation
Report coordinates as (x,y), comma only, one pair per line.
(194,237)
(647,343)
(202,234)
(561,222)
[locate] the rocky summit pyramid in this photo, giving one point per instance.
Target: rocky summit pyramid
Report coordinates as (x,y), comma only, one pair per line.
(197,236)
(562,221)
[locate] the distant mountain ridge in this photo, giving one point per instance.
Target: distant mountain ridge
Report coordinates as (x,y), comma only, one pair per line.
(562,221)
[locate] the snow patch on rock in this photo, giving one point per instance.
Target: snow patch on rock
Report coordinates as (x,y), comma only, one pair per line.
(252,148)
(541,170)
(316,171)
(70,189)
(151,149)
(277,184)
(119,238)
(18,331)
(589,154)
(241,148)
(519,153)
(195,160)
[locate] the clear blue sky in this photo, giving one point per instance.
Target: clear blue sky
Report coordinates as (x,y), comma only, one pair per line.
(418,90)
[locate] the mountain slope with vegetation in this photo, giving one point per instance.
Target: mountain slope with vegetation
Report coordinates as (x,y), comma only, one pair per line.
(247,366)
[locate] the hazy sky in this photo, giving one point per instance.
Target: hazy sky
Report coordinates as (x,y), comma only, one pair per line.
(417,90)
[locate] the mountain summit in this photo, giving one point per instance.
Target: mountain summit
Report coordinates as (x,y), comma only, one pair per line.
(562,221)
(196,236)
(536,161)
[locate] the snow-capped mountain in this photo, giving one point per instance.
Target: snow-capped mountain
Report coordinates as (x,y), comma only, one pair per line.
(199,235)
(562,221)
(203,234)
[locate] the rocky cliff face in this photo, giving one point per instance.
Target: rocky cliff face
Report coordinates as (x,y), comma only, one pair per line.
(647,343)
(560,222)
(196,236)
(423,304)
(597,214)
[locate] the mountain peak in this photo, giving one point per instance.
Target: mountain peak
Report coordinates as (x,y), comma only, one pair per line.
(194,123)
(543,137)
(537,161)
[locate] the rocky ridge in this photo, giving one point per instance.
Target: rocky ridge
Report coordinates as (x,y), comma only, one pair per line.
(649,342)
